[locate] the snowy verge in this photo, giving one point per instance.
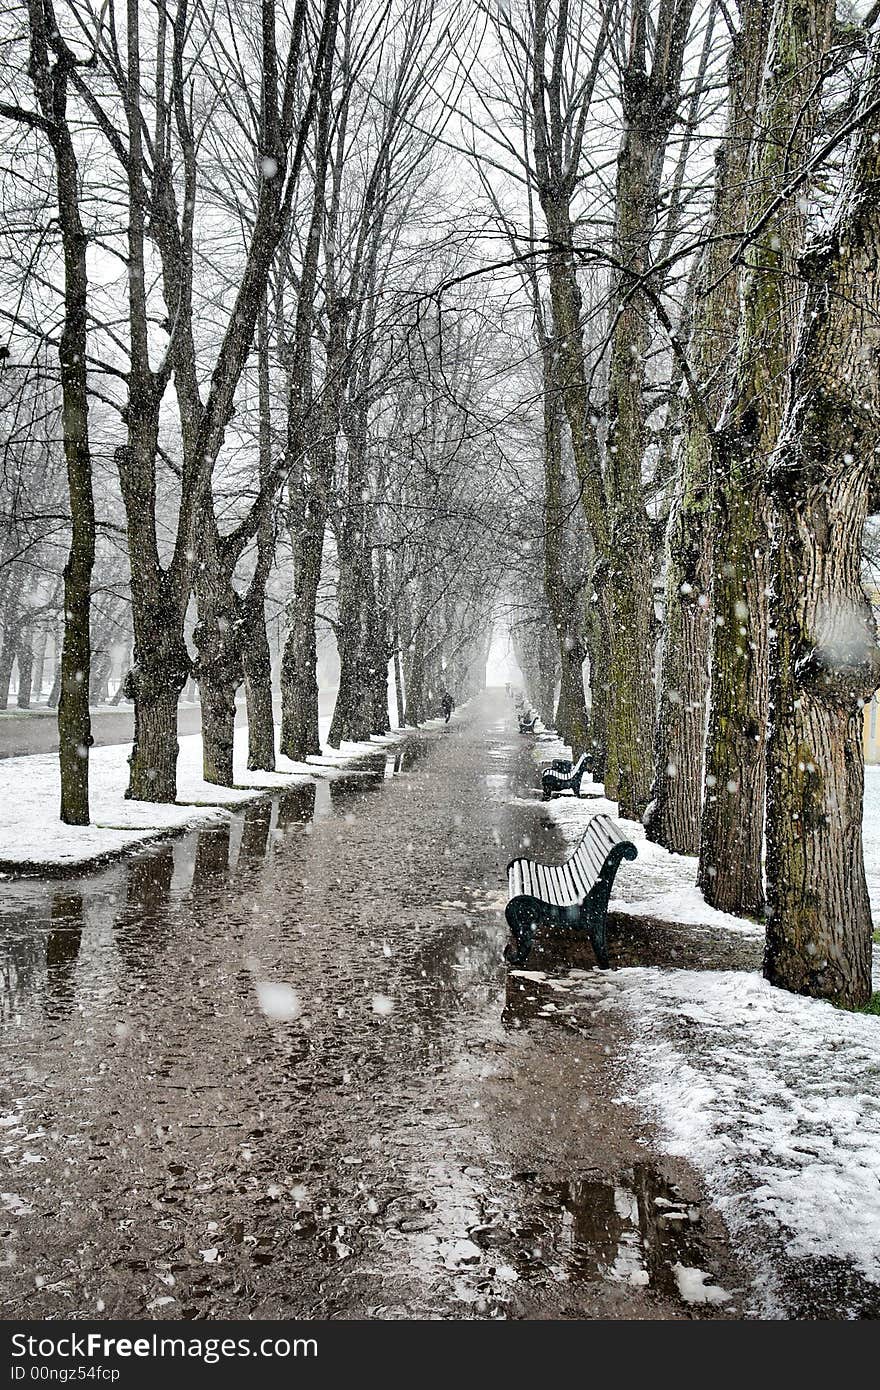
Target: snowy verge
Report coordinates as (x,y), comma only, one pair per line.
(773,1097)
(32,836)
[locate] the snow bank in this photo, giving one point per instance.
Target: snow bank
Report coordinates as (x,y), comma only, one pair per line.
(774,1097)
(30,790)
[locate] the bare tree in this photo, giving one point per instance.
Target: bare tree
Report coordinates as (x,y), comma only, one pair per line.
(676,800)
(52,65)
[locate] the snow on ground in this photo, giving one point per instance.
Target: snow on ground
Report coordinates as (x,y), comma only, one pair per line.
(774,1097)
(32,834)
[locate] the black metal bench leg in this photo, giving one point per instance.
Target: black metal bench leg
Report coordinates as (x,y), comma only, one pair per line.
(523,932)
(599,938)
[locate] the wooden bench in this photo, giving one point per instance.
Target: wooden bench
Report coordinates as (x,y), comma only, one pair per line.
(561,779)
(526,725)
(573,895)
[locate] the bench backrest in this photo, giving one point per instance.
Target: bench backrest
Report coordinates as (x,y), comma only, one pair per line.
(599,838)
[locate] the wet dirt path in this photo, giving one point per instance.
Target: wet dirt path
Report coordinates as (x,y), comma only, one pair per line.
(400,1131)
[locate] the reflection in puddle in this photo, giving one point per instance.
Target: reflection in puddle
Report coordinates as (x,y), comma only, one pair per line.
(508,1236)
(124,912)
(62,951)
(637,1230)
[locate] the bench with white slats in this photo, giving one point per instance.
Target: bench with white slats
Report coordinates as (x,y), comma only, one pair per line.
(555,780)
(574,894)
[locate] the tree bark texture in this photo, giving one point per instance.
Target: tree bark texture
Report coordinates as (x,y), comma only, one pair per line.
(676,796)
(730,868)
(824,658)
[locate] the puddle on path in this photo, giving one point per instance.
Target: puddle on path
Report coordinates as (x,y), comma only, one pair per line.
(124,907)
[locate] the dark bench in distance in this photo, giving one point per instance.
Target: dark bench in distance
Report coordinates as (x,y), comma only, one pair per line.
(564,778)
(527,725)
(573,895)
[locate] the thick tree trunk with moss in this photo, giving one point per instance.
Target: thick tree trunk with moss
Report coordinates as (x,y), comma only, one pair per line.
(676,797)
(825,662)
(730,869)
(673,817)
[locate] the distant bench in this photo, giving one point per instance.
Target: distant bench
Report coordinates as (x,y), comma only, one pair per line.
(563,776)
(573,895)
(527,725)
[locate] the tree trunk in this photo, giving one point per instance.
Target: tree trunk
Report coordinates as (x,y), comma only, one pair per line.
(40,660)
(217,697)
(158,674)
(55,691)
(7,661)
(257,664)
(398,683)
(102,663)
(153,758)
(571,720)
(74,721)
(300,736)
(50,66)
(25,658)
(597,651)
(676,799)
(673,817)
(355,632)
(253,638)
(825,663)
(414,680)
(650,101)
(219,665)
(730,868)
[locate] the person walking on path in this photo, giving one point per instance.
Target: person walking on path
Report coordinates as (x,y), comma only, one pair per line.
(447,704)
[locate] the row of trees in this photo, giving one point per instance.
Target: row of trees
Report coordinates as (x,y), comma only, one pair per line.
(395,316)
(710,337)
(223,216)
